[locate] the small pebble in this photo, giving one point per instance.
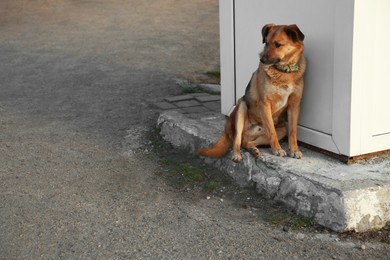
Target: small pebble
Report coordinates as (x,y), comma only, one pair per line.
(221,200)
(208,197)
(286,228)
(363,247)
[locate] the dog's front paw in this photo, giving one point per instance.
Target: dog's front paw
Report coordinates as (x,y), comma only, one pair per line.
(236,157)
(256,152)
(279,152)
(296,154)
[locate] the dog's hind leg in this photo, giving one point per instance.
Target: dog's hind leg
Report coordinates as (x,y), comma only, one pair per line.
(249,141)
(261,138)
(241,116)
(251,147)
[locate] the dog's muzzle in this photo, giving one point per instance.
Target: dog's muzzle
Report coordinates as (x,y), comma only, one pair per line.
(262,60)
(267,61)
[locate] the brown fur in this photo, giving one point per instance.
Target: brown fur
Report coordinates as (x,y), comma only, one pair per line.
(273,94)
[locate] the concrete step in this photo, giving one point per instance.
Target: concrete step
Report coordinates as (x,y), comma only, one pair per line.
(338,196)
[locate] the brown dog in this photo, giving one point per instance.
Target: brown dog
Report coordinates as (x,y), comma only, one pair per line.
(274,91)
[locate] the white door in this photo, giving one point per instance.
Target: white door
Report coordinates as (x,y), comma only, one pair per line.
(370,77)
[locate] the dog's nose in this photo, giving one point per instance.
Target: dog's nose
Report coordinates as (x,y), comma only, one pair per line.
(263,58)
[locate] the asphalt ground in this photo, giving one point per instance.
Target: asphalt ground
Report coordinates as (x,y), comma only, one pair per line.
(82,171)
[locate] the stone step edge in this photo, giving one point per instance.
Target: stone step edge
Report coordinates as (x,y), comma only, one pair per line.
(329,205)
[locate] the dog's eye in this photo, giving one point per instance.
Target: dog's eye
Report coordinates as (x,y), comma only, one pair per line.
(277,45)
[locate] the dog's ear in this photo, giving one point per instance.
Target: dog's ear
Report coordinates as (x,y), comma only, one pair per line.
(294,33)
(265,30)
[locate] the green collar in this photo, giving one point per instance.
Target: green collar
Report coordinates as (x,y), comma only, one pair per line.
(288,68)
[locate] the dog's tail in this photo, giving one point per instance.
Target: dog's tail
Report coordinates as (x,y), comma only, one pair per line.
(219,149)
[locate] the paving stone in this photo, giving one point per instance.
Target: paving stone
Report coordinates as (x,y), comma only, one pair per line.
(208,98)
(179,98)
(214,106)
(165,105)
(200,94)
(197,109)
(187,103)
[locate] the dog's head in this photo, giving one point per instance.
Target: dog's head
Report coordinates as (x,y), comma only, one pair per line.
(283,44)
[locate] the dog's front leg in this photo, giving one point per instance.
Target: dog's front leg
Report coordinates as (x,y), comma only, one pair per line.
(239,127)
(293,116)
(268,123)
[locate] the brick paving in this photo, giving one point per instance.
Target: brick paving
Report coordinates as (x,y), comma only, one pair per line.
(192,103)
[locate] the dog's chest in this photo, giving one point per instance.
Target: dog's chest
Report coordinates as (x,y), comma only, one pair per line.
(281,95)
